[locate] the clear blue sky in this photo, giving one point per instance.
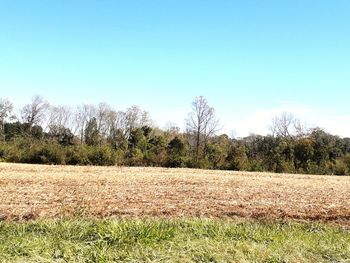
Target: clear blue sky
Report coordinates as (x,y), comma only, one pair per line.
(249,58)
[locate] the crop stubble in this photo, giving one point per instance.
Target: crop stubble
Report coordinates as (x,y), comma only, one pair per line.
(38,191)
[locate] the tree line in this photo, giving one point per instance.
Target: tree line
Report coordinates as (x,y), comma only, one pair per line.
(99,135)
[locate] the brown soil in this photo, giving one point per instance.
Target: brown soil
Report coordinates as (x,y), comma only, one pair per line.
(36,191)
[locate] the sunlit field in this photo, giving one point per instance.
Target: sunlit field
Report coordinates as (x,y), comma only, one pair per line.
(38,191)
(106,214)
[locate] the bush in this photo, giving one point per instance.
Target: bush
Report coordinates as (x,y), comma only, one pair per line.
(47,153)
(177,162)
(135,157)
(2,151)
(119,157)
(340,168)
(198,164)
(102,156)
(52,154)
(285,167)
(346,160)
(77,155)
(313,168)
(256,165)
(16,151)
(12,154)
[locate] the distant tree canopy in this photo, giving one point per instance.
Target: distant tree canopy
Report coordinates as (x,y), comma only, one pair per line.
(100,135)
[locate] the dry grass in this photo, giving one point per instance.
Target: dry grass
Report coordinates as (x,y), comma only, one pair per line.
(36,191)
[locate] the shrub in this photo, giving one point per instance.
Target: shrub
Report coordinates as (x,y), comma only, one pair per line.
(340,168)
(77,155)
(313,168)
(102,156)
(16,151)
(119,157)
(44,153)
(135,157)
(346,160)
(2,151)
(177,162)
(256,165)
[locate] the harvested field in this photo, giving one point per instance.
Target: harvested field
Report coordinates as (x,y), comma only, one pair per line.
(36,191)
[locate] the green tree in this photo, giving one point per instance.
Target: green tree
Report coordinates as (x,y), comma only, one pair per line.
(91,133)
(177,150)
(156,152)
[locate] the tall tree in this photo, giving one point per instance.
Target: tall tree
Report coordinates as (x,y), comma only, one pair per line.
(136,118)
(60,116)
(6,108)
(201,124)
(82,116)
(34,112)
(91,133)
(104,118)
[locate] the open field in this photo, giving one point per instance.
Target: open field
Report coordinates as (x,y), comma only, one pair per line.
(35,191)
(118,214)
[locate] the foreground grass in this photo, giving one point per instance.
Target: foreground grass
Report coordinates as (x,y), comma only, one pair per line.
(171,240)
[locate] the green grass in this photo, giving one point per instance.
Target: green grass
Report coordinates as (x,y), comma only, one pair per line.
(171,240)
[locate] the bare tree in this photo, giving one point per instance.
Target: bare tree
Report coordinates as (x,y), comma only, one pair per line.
(83,114)
(136,118)
(60,116)
(301,129)
(104,118)
(286,125)
(120,122)
(6,108)
(201,123)
(34,113)
(281,125)
(118,127)
(111,122)
(172,128)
